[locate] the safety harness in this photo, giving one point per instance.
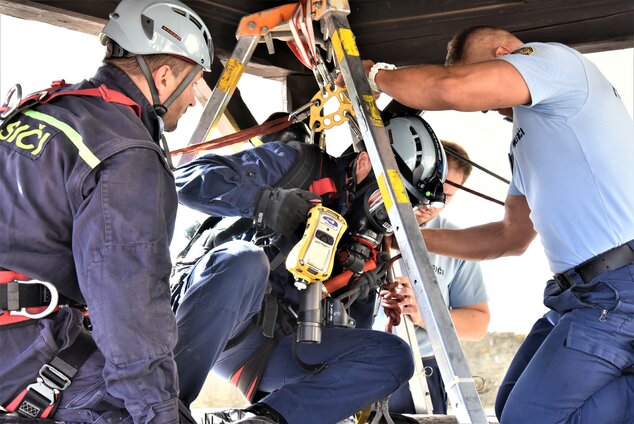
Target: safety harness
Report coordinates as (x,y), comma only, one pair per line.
(276,318)
(23,299)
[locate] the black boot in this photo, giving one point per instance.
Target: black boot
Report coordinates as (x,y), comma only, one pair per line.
(258,413)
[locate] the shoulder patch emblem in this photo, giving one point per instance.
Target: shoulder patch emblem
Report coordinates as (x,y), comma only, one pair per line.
(526,50)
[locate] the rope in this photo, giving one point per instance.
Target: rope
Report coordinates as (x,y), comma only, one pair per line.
(262,129)
(390,299)
(481,168)
(301,20)
(468,190)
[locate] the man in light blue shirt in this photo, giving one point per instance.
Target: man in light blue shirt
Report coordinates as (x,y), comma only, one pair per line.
(572,150)
(462,288)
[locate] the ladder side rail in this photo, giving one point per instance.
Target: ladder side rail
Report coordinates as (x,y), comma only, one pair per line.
(222,92)
(406,330)
(451,361)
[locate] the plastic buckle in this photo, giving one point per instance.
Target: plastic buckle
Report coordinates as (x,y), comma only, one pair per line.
(65,381)
(54,300)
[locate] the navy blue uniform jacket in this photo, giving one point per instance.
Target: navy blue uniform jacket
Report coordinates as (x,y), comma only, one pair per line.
(89,204)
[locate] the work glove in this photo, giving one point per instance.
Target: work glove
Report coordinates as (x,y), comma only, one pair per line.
(283,210)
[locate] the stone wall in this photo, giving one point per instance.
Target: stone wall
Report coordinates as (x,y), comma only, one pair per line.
(487,358)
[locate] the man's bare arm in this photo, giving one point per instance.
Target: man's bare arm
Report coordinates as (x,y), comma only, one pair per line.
(493,84)
(508,237)
(471,322)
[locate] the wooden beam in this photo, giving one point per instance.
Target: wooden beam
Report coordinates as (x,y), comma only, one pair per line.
(30,10)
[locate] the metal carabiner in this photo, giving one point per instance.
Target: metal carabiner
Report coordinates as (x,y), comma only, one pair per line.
(17,88)
(54,299)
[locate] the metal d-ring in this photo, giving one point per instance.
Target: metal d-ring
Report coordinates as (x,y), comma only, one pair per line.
(54,299)
(17,88)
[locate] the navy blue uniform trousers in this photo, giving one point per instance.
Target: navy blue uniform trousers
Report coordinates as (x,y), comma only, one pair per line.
(571,370)
(224,292)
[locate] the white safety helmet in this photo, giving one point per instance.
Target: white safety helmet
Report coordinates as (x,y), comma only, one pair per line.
(145,27)
(421,159)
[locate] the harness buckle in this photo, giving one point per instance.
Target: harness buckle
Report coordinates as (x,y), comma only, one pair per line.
(49,309)
(45,393)
(54,378)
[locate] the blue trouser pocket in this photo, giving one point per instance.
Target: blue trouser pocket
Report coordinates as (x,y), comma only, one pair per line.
(95,405)
(610,347)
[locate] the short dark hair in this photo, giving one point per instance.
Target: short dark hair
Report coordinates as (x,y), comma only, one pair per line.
(456,47)
(455,154)
(154,61)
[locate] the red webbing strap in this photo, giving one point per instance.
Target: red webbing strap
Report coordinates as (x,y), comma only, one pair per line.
(7,319)
(247,377)
(40,398)
(9,276)
(323,187)
(108,96)
(15,404)
(244,135)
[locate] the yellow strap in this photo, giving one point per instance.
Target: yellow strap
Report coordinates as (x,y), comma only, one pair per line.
(74,136)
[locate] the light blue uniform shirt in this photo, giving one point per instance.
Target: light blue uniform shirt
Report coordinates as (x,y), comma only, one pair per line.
(573,155)
(460,281)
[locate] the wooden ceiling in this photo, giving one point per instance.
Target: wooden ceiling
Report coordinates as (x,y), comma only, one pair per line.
(402,32)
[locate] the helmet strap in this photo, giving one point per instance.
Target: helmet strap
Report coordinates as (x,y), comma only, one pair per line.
(156,102)
(181,87)
(159,108)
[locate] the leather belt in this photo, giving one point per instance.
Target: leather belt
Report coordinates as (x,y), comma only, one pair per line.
(604,262)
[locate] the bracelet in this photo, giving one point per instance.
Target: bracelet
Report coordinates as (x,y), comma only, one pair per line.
(374,70)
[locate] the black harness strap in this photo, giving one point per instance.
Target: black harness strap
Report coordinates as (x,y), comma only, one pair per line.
(41,398)
(14,296)
(305,168)
(304,171)
(247,377)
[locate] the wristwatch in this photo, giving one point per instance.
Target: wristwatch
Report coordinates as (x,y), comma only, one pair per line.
(373,71)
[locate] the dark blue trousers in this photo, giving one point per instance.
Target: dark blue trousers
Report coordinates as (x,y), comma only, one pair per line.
(541,329)
(223,293)
(575,375)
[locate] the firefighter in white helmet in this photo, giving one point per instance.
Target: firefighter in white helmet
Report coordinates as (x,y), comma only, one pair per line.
(91,214)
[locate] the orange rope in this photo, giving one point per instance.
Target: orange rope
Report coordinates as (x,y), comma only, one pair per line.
(244,135)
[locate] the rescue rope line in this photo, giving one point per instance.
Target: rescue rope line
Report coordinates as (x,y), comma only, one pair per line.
(470,162)
(468,190)
(244,135)
(390,299)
